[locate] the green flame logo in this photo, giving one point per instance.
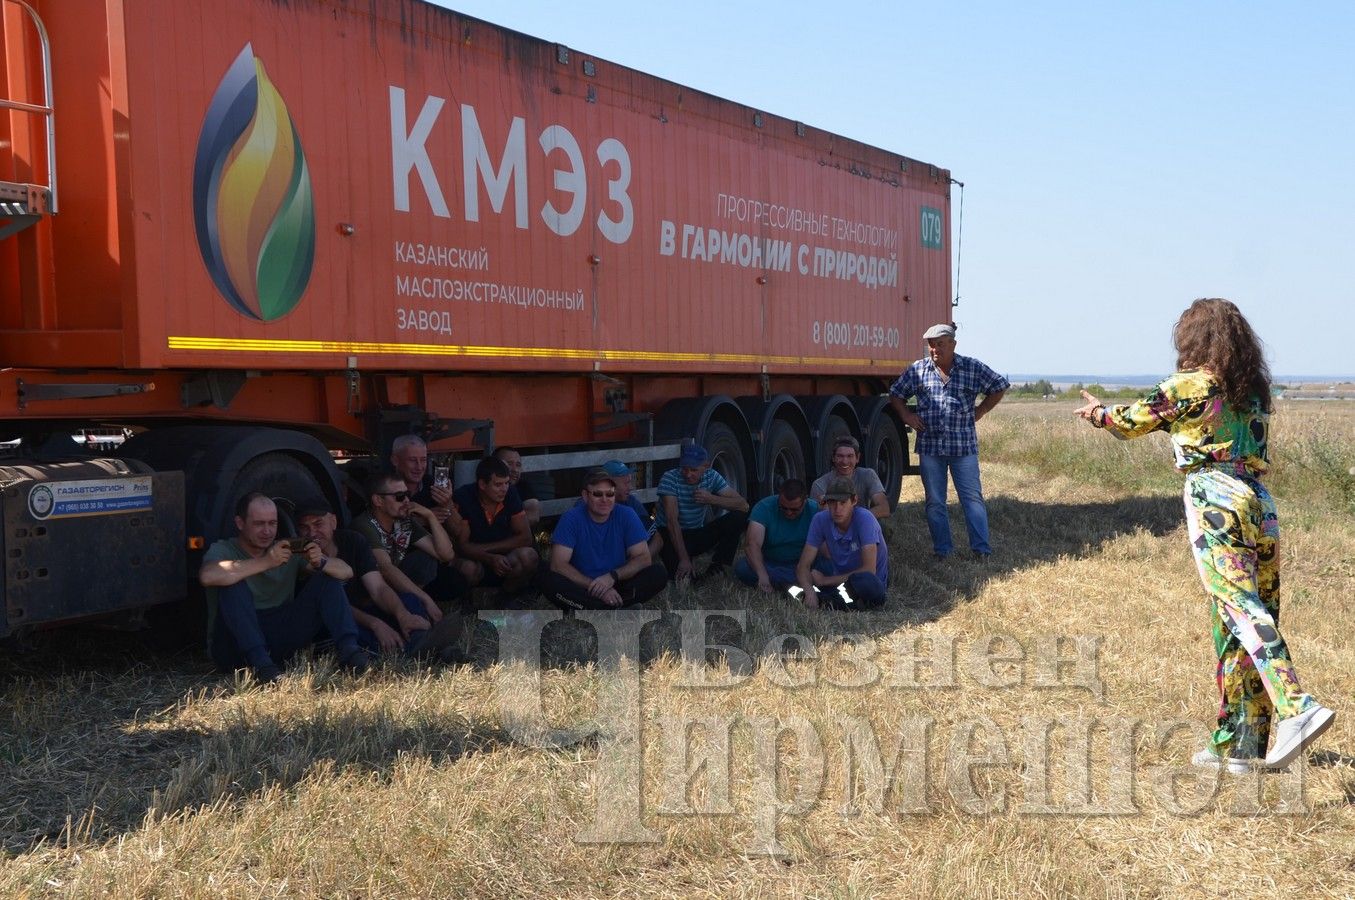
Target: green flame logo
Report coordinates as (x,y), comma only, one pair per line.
(252,201)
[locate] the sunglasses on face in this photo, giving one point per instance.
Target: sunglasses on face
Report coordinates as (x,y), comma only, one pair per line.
(610,495)
(400,496)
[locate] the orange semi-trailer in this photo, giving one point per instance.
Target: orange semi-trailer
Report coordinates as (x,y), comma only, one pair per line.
(258,232)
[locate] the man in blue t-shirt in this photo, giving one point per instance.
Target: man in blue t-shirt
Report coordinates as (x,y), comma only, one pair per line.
(777,529)
(686,495)
(850,538)
(599,557)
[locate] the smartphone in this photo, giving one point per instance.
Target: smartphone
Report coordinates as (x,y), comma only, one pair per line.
(297,544)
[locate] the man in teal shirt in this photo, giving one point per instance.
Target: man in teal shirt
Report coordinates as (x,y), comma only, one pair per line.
(777,528)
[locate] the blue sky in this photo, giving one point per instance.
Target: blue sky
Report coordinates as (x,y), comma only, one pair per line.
(1119,159)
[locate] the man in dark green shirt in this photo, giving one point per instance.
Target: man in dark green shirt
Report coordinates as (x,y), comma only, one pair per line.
(266,602)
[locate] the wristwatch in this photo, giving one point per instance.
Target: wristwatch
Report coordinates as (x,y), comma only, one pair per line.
(616,579)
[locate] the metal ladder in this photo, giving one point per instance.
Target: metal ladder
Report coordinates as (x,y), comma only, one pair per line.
(21,204)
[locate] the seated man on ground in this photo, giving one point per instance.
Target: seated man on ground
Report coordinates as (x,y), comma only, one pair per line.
(686,495)
(531,504)
(599,557)
(409,460)
(386,621)
(777,529)
(413,551)
(266,602)
(849,537)
(499,549)
(846,455)
(625,483)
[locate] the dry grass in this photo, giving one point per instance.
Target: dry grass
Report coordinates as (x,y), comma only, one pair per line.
(128,776)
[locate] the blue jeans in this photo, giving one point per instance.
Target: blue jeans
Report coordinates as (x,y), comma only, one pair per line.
(781,574)
(247,635)
(964,471)
(865,589)
(367,638)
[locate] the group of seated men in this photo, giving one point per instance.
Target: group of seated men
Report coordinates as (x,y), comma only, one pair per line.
(399,579)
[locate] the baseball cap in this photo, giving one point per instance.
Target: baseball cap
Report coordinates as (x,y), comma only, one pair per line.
(693,455)
(616,467)
(938,331)
(840,488)
(312,506)
(596,475)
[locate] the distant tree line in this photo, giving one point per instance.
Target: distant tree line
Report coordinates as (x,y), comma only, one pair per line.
(1045,389)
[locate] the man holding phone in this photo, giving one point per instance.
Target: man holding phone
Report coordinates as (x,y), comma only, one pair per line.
(387,622)
(409,459)
(266,601)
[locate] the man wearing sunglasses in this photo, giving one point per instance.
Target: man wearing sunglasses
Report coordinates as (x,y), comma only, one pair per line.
(387,622)
(412,549)
(777,529)
(600,553)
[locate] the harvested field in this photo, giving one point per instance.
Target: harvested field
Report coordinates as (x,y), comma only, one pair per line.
(1016,727)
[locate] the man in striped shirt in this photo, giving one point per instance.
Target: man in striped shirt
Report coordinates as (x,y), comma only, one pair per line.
(687,496)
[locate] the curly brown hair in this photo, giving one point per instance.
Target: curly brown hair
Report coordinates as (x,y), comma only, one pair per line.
(1213,334)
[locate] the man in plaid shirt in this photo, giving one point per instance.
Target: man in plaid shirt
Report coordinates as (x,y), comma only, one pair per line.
(946,385)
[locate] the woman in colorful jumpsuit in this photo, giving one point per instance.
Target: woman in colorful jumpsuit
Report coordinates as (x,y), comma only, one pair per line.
(1216,408)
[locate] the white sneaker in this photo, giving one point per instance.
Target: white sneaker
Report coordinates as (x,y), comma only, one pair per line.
(1208,759)
(1295,733)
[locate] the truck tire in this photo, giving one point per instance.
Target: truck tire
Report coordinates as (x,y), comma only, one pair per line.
(280,476)
(885,452)
(785,457)
(726,456)
(834,428)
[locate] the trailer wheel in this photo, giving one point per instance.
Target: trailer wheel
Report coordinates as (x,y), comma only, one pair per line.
(280,476)
(884,452)
(726,456)
(785,456)
(834,427)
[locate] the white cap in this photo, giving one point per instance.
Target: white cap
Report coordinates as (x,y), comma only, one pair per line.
(939,331)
